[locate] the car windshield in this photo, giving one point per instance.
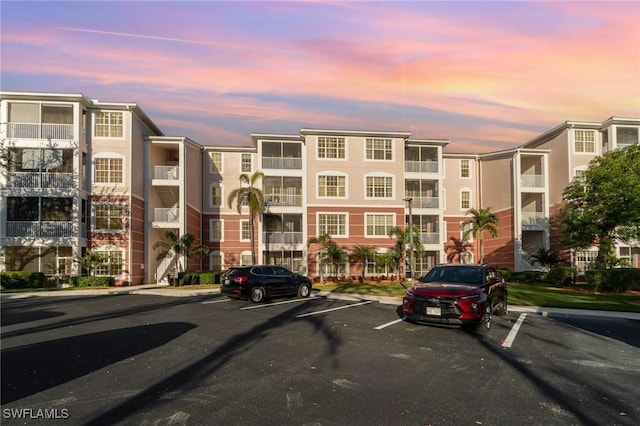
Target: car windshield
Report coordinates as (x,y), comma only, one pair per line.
(455,274)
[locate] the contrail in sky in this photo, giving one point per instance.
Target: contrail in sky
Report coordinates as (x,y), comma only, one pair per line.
(177,40)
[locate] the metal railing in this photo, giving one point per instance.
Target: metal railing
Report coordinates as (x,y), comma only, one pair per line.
(532,181)
(282,237)
(424,202)
(283,200)
(35,180)
(428,166)
(166,172)
(171,215)
(534,219)
(286,163)
(40,131)
(430,237)
(44,229)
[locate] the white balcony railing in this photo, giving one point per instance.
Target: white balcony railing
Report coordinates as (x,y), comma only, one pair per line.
(40,131)
(430,237)
(166,172)
(38,180)
(532,181)
(534,219)
(425,202)
(428,166)
(170,215)
(282,237)
(283,200)
(45,229)
(283,163)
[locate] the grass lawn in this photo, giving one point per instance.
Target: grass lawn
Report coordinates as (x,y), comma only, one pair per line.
(519,294)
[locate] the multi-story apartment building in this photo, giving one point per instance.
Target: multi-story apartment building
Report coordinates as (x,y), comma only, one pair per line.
(82,174)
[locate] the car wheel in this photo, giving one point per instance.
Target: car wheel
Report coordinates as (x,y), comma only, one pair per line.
(503,309)
(257,294)
(485,323)
(304,290)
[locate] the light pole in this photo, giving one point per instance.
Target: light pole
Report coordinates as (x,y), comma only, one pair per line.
(412,265)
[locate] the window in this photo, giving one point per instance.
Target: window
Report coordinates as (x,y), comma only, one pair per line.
(245,231)
(109,124)
(245,258)
(465,231)
(331,186)
(216,161)
(626,136)
(379,187)
(109,170)
(331,147)
(215,230)
(110,262)
(625,256)
(379,149)
(378,225)
(465,169)
(334,224)
(108,216)
(215,261)
(585,260)
(246,163)
(585,141)
(465,200)
(216,196)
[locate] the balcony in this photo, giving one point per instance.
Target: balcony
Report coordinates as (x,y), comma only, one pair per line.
(45,229)
(18,130)
(534,220)
(282,163)
(37,180)
(171,215)
(430,238)
(427,166)
(166,172)
(532,181)
(425,202)
(282,237)
(283,200)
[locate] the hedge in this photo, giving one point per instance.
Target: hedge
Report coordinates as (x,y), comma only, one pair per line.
(197,277)
(92,281)
(22,279)
(617,280)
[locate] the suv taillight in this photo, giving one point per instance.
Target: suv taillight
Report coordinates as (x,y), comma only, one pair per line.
(241,279)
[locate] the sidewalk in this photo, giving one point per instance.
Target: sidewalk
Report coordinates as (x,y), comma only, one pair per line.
(166,290)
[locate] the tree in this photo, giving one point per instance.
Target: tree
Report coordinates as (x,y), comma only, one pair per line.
(547,258)
(362,253)
(330,252)
(402,241)
(603,205)
(252,196)
(181,246)
(483,221)
(89,262)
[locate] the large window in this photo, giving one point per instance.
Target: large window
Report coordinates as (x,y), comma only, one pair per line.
(333,224)
(110,262)
(109,124)
(379,149)
(378,225)
(626,136)
(109,170)
(108,216)
(331,147)
(379,187)
(585,141)
(331,186)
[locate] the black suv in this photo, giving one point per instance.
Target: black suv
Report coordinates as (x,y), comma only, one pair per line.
(258,282)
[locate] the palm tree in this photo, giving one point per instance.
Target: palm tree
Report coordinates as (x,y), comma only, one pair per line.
(547,258)
(402,240)
(89,262)
(483,221)
(253,196)
(331,252)
(362,253)
(181,246)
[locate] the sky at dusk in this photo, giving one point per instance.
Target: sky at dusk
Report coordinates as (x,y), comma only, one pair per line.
(485,75)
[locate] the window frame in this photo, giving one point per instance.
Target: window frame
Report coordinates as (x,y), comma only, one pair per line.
(371,149)
(242,230)
(109,125)
(322,228)
(243,163)
(339,140)
(464,191)
(211,230)
(584,142)
(464,161)
(338,186)
(387,226)
(388,186)
(94,214)
(212,197)
(111,158)
(108,250)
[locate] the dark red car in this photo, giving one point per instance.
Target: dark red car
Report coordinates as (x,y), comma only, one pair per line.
(457,295)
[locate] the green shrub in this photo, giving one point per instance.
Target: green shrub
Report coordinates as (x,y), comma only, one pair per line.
(92,281)
(506,274)
(530,277)
(617,280)
(22,279)
(560,276)
(198,277)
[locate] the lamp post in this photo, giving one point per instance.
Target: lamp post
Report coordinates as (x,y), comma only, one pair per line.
(412,265)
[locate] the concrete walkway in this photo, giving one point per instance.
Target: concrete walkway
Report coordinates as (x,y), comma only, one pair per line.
(166,290)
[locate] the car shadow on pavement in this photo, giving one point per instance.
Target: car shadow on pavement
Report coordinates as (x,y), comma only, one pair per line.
(33,368)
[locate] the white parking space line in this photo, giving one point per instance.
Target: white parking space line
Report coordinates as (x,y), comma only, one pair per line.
(266,305)
(514,331)
(380,327)
(333,309)
(215,301)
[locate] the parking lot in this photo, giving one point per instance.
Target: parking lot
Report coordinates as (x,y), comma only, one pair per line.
(154,360)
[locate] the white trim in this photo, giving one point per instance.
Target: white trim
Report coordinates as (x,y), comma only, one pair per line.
(346,224)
